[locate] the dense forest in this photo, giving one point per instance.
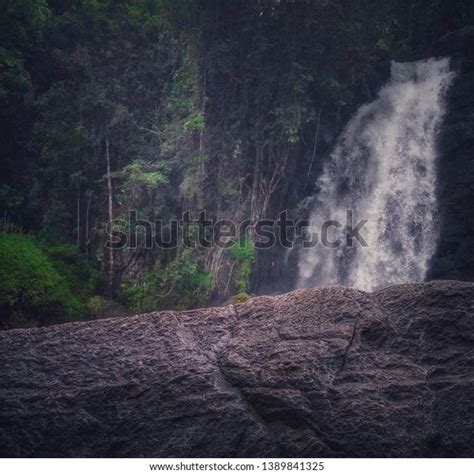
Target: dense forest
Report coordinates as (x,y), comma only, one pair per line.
(171,106)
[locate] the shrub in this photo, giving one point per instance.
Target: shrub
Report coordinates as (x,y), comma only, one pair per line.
(96,305)
(241,298)
(74,267)
(100,307)
(183,284)
(31,289)
(244,252)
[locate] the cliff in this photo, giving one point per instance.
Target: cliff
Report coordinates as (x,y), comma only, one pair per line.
(454,258)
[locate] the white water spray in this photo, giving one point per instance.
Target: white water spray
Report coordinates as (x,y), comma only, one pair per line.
(384,169)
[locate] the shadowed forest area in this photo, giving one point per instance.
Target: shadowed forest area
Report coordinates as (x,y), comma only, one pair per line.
(171,106)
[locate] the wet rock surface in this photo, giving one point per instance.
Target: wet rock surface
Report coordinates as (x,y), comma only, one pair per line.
(318,372)
(454,258)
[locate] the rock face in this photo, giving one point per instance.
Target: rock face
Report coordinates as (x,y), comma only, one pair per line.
(455,256)
(319,372)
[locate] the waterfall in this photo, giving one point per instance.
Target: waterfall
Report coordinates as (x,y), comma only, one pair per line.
(383,169)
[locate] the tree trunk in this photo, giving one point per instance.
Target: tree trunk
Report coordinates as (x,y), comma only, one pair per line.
(201,132)
(88,207)
(254,196)
(316,135)
(78,210)
(111,209)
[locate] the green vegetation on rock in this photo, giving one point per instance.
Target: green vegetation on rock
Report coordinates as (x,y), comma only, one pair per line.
(31,289)
(243,252)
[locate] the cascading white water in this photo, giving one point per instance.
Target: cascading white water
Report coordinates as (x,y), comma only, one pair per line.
(384,170)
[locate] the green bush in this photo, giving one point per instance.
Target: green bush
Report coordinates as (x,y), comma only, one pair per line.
(96,305)
(75,268)
(32,292)
(183,284)
(240,298)
(100,307)
(244,252)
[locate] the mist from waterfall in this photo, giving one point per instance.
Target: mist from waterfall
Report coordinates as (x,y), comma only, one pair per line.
(384,170)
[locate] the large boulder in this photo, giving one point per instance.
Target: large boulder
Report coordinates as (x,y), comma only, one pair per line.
(318,372)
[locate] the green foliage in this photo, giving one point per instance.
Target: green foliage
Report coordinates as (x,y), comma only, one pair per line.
(96,305)
(194,123)
(136,173)
(14,79)
(83,277)
(100,307)
(138,184)
(240,298)
(182,284)
(9,227)
(10,199)
(30,286)
(243,252)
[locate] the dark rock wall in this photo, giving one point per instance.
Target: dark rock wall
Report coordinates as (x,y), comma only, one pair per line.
(455,256)
(319,372)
